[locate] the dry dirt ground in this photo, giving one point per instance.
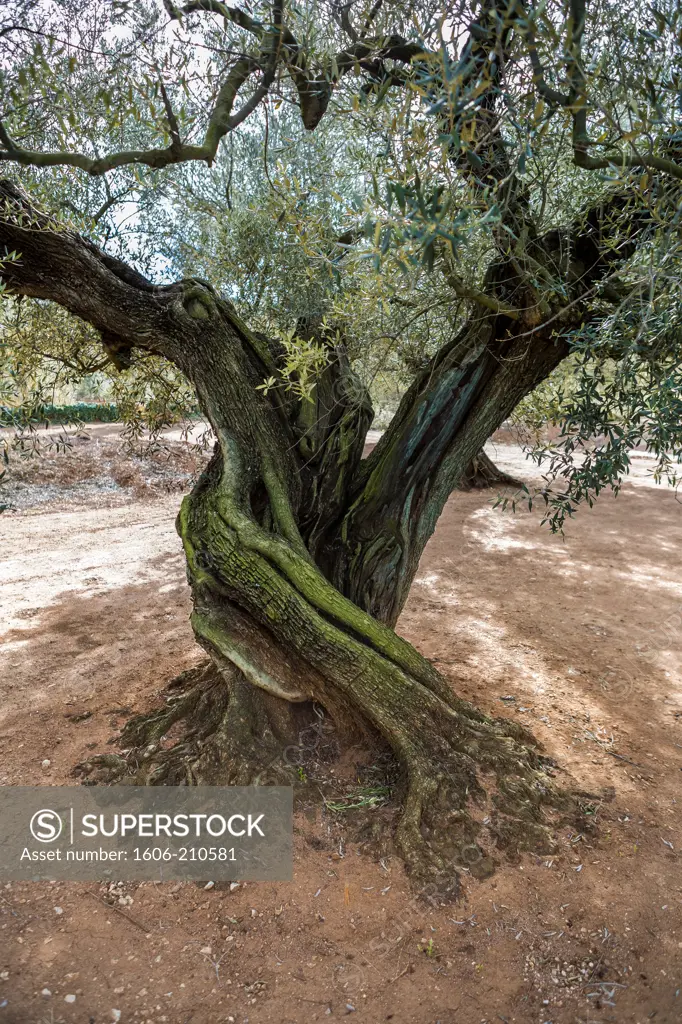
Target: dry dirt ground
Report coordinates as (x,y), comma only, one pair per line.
(580,638)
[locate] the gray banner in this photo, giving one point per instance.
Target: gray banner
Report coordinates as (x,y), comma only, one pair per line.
(208,833)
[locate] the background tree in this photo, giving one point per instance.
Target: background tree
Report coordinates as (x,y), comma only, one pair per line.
(521,163)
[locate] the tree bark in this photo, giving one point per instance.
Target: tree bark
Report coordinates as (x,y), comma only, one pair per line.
(300,554)
(372,553)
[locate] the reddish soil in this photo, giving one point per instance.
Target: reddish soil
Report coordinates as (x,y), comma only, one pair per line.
(583,639)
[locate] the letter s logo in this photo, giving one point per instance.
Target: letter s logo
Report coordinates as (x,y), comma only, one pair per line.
(46,826)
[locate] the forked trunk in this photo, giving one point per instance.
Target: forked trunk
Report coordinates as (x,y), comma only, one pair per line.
(298,572)
(300,554)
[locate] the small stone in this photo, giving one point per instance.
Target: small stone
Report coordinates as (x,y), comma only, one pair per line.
(206,950)
(115,1014)
(209,885)
(233,886)
(70,999)
(58,910)
(46,763)
(119,991)
(46,993)
(4,975)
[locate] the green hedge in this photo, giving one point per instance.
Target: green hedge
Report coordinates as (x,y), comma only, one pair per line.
(59,414)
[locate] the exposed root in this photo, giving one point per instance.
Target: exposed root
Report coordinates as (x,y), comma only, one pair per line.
(519,809)
(475,788)
(229,734)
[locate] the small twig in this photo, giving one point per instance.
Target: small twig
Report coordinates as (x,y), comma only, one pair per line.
(216,965)
(603,984)
(626,759)
(404,971)
(15,913)
(116,910)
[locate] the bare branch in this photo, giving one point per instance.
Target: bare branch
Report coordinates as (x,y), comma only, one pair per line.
(315,91)
(370,18)
(232,14)
(57,264)
(341,17)
(622,161)
(170,113)
(221,121)
(393,47)
(551,95)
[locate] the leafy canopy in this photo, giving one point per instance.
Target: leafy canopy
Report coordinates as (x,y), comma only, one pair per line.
(365,164)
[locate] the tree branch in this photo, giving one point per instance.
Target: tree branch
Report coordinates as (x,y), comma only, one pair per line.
(341,17)
(278,45)
(622,161)
(371,17)
(221,120)
(551,95)
(57,264)
(392,47)
(578,102)
(78,366)
(232,14)
(486,301)
(173,126)
(476,379)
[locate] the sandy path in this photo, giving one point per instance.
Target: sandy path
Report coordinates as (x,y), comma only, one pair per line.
(86,552)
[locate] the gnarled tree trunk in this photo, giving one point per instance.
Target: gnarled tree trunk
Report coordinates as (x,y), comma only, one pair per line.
(300,554)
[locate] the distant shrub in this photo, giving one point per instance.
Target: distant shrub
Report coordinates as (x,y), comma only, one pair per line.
(61,415)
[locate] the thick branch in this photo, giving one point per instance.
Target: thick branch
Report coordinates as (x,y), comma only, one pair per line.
(221,121)
(57,264)
(455,405)
(622,161)
(186,322)
(483,299)
(155,158)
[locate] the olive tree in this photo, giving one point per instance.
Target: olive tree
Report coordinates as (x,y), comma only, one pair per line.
(526,157)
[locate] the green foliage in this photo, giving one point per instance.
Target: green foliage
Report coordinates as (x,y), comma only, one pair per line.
(47,356)
(626,396)
(60,415)
(434,162)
